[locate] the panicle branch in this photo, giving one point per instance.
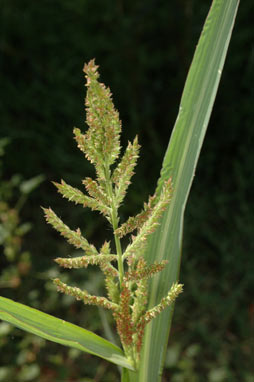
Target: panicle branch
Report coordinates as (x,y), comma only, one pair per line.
(123,319)
(146,271)
(70,193)
(85,296)
(93,155)
(84,261)
(106,267)
(174,292)
(136,222)
(101,143)
(76,196)
(112,287)
(97,192)
(140,294)
(73,237)
(139,242)
(124,171)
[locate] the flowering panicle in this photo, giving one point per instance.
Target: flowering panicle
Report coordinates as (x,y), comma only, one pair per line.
(126,273)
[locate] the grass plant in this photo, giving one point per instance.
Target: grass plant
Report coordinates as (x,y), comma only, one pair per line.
(141,280)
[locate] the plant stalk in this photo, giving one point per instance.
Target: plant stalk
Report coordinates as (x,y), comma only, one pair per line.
(114,221)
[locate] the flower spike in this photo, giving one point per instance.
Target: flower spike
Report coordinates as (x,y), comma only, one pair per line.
(126,273)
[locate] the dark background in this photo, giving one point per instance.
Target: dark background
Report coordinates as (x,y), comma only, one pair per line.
(144,49)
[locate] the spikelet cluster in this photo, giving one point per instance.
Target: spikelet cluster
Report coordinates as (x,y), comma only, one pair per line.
(126,274)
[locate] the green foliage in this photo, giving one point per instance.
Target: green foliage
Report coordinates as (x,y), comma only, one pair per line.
(60,331)
(13,196)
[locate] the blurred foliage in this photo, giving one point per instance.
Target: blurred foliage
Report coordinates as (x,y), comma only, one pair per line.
(21,279)
(144,49)
(16,265)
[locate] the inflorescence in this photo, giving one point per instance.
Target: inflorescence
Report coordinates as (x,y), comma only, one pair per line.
(126,273)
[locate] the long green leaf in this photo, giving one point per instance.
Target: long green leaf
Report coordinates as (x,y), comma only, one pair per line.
(180,162)
(60,331)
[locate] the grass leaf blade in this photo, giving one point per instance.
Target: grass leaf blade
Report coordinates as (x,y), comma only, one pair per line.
(180,162)
(60,331)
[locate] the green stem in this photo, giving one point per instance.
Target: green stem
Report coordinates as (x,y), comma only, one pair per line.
(128,375)
(120,259)
(114,220)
